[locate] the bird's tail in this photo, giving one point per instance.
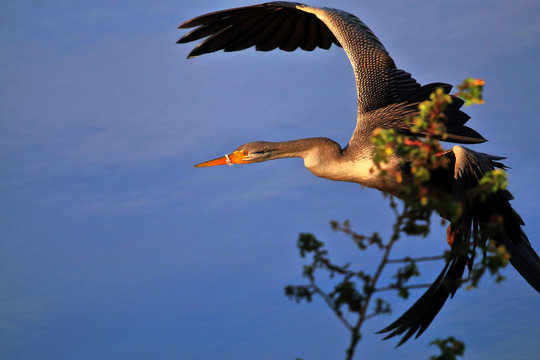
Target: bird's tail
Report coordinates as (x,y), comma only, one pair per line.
(419,316)
(475,222)
(497,206)
(523,258)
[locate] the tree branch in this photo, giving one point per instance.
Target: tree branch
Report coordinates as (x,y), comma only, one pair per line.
(418,259)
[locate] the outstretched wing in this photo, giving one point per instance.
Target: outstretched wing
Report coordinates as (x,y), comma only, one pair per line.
(288,26)
(469,168)
(265,26)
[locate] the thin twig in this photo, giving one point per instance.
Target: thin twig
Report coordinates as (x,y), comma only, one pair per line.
(367,317)
(337,269)
(418,259)
(355,337)
(414,286)
(332,305)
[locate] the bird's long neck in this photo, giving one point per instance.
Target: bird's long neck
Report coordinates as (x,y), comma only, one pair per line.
(325,158)
(318,153)
(311,149)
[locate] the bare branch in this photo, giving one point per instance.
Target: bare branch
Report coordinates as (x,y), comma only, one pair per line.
(418,259)
(414,286)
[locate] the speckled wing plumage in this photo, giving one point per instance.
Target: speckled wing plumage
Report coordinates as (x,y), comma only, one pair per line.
(469,167)
(378,81)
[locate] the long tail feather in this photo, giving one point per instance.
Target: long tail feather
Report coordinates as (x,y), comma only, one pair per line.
(469,168)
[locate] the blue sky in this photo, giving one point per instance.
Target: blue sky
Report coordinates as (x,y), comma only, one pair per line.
(114,246)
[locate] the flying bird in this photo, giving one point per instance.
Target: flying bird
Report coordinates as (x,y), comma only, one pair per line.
(387,97)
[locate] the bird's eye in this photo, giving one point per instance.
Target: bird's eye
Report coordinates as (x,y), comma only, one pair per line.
(245,152)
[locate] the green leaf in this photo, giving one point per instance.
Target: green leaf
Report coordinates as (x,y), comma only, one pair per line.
(450,348)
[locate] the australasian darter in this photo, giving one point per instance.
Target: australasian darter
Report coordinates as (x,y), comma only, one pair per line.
(387,96)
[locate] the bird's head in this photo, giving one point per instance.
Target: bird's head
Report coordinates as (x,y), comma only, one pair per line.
(256,151)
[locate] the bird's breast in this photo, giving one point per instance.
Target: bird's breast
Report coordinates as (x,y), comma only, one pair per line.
(363,172)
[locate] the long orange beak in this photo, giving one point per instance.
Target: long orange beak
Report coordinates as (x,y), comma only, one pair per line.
(237,157)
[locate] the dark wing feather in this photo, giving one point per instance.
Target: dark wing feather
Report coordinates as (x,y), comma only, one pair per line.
(314,36)
(285,32)
(265,26)
(268,33)
(469,168)
(251,35)
(298,34)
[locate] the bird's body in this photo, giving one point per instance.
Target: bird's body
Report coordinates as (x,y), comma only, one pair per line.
(387,96)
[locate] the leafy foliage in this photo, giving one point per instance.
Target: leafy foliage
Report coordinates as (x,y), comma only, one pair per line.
(450,348)
(471,91)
